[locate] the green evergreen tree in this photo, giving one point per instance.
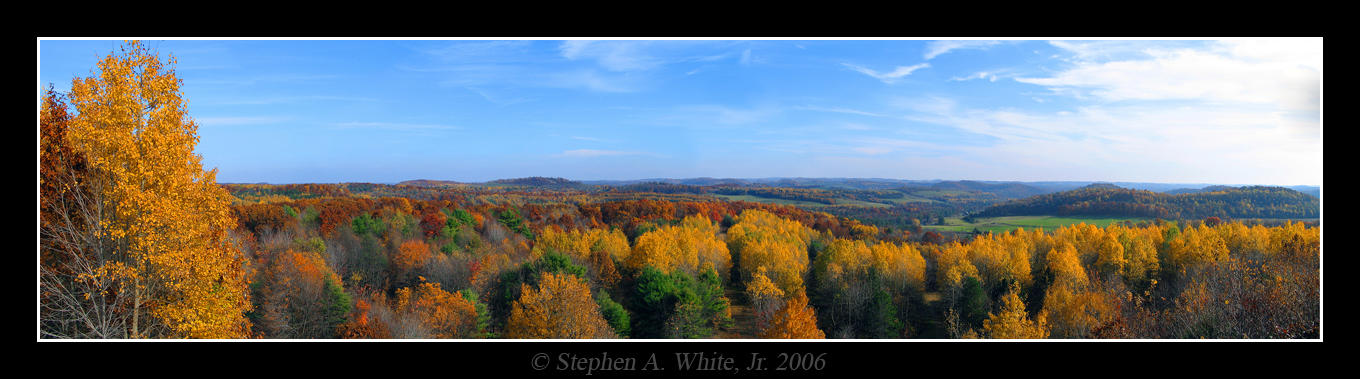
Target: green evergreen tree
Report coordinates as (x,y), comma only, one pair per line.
(614,313)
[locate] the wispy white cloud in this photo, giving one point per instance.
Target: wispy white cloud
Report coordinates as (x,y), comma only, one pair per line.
(593,81)
(934,105)
(1285,74)
(612,55)
(496,98)
(636,56)
(1151,142)
(598,66)
(839,110)
(988,75)
(729,115)
(484,66)
(482,52)
(1086,51)
(889,77)
(882,145)
(1298,52)
(936,48)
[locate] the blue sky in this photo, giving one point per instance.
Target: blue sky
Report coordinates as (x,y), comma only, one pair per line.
(1231,112)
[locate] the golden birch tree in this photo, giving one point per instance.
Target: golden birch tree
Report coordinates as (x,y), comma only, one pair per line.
(163,218)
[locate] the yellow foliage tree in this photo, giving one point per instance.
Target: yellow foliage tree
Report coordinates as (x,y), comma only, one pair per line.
(845,259)
(1011,322)
(1197,246)
(953,266)
(1085,238)
(165,217)
(998,258)
(580,244)
(779,245)
(1110,257)
(1065,266)
(561,307)
(1295,234)
(1073,313)
(902,265)
(766,298)
(861,231)
(1140,251)
(573,243)
(613,242)
(692,246)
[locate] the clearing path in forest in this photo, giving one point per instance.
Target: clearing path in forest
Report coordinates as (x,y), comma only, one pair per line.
(743,320)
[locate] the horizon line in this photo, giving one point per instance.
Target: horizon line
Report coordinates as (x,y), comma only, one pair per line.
(793,177)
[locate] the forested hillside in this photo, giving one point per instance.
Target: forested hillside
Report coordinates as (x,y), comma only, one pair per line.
(1223,202)
(657,269)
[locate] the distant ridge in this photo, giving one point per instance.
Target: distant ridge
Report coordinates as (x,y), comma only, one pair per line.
(533,181)
(1004,190)
(1101,186)
(539,182)
(429,183)
(1180,191)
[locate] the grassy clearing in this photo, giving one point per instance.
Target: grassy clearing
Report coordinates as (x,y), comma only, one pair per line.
(999,225)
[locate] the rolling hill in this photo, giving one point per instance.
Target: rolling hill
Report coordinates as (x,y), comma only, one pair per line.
(1109,200)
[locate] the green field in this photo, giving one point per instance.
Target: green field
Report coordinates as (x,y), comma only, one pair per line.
(1005,224)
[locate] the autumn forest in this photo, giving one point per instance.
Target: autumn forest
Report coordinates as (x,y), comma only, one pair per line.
(138,239)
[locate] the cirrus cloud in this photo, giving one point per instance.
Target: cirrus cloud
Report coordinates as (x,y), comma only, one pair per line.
(888,77)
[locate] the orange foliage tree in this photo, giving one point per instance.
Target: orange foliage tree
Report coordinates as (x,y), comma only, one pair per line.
(299,296)
(796,320)
(441,313)
(74,302)
(363,324)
